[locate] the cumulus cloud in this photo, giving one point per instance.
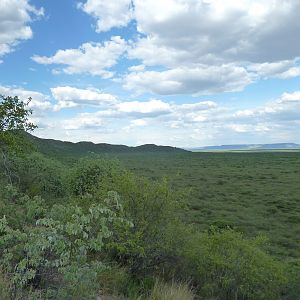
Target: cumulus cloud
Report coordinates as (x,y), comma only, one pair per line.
(83,121)
(89,58)
(257,36)
(109,14)
(138,122)
(136,68)
(221,46)
(256,30)
(67,97)
(190,124)
(285,109)
(149,108)
(201,80)
(15,19)
(39,102)
(199,106)
(281,69)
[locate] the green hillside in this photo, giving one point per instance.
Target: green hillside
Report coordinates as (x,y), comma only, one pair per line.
(56,148)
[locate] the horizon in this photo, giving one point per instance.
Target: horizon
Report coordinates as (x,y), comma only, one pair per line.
(165,145)
(139,72)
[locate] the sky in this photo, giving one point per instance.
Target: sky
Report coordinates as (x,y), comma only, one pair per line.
(185,73)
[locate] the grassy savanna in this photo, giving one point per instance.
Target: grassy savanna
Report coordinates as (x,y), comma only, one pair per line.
(253,192)
(83,221)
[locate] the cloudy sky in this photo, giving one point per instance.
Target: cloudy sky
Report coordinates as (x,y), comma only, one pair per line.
(171,72)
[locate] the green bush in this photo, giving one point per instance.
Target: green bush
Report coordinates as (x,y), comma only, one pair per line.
(90,175)
(67,242)
(225,265)
(293,288)
(5,286)
(42,176)
(56,248)
(171,291)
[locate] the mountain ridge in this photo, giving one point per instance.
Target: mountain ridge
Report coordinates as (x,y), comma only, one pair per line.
(53,146)
(274,146)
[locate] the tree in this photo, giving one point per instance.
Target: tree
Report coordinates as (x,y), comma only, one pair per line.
(14,118)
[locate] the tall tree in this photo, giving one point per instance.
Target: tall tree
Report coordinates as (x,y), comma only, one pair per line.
(14,119)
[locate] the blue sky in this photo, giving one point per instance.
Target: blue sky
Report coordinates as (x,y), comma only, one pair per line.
(171,72)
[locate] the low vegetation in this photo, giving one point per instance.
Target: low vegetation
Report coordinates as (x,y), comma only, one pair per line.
(91,228)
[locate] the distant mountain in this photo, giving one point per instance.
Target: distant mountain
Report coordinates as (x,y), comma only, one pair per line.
(278,146)
(55,147)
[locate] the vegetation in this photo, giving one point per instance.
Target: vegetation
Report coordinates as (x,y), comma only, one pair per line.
(112,226)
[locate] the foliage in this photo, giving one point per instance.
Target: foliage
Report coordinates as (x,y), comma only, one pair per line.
(66,242)
(225,265)
(14,115)
(14,119)
(90,175)
(39,175)
(293,288)
(251,192)
(171,291)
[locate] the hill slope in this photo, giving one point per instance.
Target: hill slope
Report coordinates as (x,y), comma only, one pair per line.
(55,147)
(279,146)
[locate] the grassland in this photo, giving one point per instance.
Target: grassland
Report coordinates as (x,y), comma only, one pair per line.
(253,192)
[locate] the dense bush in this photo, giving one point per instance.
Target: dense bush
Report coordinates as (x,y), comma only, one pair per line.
(225,265)
(91,175)
(88,240)
(39,175)
(65,242)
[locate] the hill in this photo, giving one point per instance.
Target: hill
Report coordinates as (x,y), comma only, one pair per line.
(278,146)
(56,147)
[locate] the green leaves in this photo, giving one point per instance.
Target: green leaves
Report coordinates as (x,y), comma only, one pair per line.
(14,118)
(226,265)
(14,114)
(59,241)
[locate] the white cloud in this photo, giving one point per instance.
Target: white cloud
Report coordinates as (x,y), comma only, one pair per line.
(286,108)
(89,58)
(109,14)
(281,69)
(256,35)
(292,72)
(15,17)
(70,97)
(188,124)
(201,80)
(271,69)
(256,30)
(136,68)
(150,108)
(199,106)
(39,102)
(221,46)
(135,124)
(83,121)
(138,122)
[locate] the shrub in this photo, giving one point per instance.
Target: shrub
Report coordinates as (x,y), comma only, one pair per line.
(42,176)
(66,243)
(90,175)
(225,265)
(171,291)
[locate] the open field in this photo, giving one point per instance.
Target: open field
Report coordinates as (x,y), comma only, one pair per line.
(248,150)
(254,192)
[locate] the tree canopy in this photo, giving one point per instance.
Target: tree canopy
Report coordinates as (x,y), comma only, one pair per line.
(14,118)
